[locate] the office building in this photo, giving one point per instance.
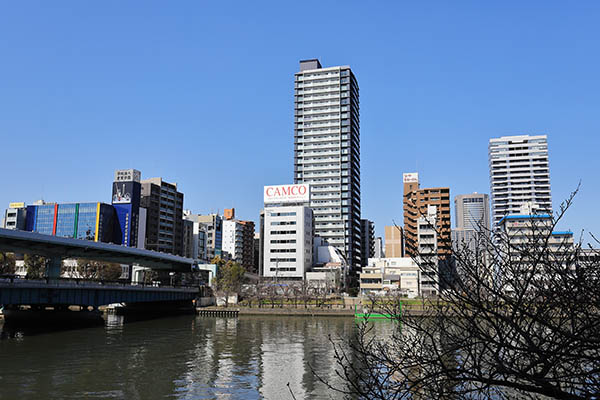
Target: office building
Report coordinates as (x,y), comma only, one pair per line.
(90,221)
(164,225)
(327,152)
(379,253)
(472,213)
(416,205)
(188,236)
(394,242)
(126,198)
(214,238)
(15,216)
(288,232)
(257,253)
(519,173)
(367,241)
(195,237)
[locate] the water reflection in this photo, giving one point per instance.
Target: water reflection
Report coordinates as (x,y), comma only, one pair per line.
(184,357)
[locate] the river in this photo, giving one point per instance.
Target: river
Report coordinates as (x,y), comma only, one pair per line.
(187,357)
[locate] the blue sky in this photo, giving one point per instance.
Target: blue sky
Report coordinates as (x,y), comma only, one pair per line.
(201,93)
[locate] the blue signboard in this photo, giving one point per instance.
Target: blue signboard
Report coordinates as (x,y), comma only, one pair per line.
(126,201)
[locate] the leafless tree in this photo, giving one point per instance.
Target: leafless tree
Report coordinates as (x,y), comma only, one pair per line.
(261,293)
(98,270)
(520,319)
(248,293)
(296,292)
(305,292)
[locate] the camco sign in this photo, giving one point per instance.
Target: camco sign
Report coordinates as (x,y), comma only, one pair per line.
(287,193)
(410,177)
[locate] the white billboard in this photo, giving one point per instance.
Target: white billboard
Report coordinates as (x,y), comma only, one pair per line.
(287,193)
(410,177)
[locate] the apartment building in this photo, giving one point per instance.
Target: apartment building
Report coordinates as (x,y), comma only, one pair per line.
(367,241)
(398,275)
(519,173)
(416,205)
(164,219)
(327,152)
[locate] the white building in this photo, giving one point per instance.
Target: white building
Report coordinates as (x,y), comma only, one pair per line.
(327,152)
(519,173)
(532,227)
(288,232)
(399,275)
(233,239)
(526,234)
(329,262)
(379,252)
(427,251)
(198,246)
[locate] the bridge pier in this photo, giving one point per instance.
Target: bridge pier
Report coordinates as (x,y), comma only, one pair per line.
(53,268)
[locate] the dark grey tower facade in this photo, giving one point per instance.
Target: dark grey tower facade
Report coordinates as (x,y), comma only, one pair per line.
(327,152)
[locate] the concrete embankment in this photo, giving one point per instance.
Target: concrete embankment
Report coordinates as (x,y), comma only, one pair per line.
(298,312)
(284,311)
(292,311)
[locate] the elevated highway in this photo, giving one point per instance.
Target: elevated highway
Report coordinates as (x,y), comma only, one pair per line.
(57,249)
(15,292)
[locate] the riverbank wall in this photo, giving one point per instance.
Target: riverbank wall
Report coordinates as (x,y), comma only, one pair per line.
(284,311)
(339,311)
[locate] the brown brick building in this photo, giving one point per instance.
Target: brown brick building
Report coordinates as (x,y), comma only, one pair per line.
(416,201)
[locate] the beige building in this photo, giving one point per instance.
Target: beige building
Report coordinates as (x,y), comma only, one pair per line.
(394,241)
(416,205)
(398,275)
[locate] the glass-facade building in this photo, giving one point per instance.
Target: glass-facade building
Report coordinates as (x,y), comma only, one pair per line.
(91,221)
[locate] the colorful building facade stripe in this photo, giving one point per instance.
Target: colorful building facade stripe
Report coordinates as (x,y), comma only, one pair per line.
(55,217)
(97,222)
(76,220)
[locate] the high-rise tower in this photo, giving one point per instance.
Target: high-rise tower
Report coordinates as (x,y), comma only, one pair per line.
(327,152)
(472,219)
(519,173)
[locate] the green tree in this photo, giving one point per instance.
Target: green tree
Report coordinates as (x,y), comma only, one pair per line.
(230,276)
(7,263)
(35,266)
